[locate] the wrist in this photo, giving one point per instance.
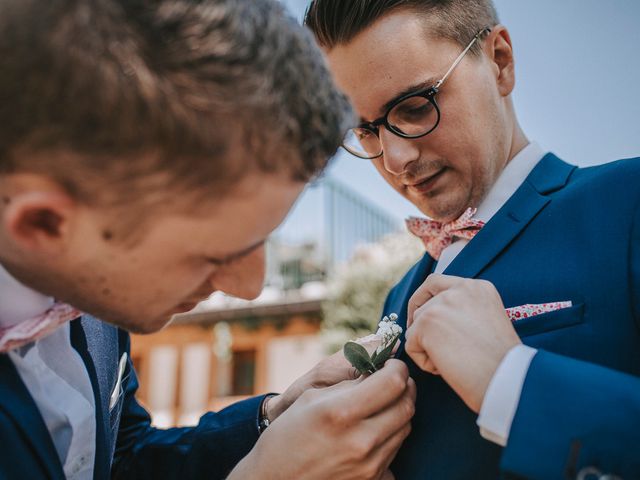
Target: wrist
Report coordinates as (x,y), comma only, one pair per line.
(492,367)
(268,411)
(502,397)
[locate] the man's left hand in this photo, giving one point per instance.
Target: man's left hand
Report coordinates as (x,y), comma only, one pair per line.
(333,369)
(458,328)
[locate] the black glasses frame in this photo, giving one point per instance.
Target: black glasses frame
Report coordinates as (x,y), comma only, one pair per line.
(428,93)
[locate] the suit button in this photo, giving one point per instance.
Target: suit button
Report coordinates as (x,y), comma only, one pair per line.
(592,473)
(589,473)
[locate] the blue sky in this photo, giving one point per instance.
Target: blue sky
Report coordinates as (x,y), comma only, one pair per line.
(577,93)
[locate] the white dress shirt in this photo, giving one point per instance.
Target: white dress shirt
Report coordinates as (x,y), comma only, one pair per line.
(503,394)
(56,377)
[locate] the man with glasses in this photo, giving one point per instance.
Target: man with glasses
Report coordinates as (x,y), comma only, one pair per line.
(552,251)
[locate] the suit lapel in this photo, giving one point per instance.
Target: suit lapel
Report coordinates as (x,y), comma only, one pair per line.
(548,176)
(403,291)
(90,338)
(17,402)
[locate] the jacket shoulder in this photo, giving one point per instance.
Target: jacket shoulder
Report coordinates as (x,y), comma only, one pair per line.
(619,170)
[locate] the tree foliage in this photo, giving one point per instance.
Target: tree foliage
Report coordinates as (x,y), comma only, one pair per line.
(357,289)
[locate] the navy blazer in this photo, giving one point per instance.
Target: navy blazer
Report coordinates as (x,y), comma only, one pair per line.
(567,233)
(126,444)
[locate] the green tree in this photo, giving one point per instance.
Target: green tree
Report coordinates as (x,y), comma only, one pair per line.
(358,288)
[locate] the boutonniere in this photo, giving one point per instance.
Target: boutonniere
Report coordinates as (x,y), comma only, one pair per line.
(388,334)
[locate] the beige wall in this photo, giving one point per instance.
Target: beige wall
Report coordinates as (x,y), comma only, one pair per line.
(181,373)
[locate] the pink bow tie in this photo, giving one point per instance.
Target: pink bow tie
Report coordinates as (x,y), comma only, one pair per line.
(437,236)
(36,327)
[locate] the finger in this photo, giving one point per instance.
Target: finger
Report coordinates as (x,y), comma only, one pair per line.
(414,348)
(421,358)
(434,284)
(332,374)
(338,375)
(430,367)
(388,422)
(381,389)
(413,389)
(385,453)
(387,475)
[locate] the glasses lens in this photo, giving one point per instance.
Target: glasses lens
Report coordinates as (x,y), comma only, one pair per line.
(362,143)
(414,116)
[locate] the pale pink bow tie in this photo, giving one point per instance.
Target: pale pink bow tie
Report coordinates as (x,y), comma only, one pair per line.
(437,236)
(37,327)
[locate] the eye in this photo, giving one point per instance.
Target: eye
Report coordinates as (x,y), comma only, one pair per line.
(413,108)
(229,259)
(362,133)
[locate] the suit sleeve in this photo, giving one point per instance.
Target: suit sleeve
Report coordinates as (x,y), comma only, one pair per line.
(209,450)
(574,415)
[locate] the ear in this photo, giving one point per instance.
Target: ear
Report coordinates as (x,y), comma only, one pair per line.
(500,51)
(37,220)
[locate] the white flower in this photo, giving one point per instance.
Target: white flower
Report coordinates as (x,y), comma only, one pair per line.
(386,338)
(388,331)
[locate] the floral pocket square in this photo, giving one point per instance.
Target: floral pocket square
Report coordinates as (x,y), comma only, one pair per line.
(531,310)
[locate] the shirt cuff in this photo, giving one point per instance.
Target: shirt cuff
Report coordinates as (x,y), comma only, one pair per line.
(503,395)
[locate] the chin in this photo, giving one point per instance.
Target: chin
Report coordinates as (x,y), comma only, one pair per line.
(441,210)
(141,325)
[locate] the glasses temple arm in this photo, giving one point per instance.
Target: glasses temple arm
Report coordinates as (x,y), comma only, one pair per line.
(460,57)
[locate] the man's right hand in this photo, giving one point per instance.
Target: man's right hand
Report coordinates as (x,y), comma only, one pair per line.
(351,430)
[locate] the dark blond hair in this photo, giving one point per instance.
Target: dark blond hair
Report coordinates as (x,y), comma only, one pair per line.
(336,22)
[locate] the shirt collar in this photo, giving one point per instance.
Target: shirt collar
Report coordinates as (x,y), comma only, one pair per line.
(19,302)
(511,177)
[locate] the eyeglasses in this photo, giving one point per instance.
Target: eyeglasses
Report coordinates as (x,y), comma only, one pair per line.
(411,116)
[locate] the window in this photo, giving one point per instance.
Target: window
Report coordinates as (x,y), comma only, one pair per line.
(244,372)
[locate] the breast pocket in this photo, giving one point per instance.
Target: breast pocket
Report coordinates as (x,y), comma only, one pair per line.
(547,322)
(117,395)
(115,412)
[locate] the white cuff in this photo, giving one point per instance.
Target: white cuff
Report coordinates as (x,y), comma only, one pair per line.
(503,395)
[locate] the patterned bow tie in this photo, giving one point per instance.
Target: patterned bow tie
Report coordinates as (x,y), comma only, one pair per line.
(36,327)
(437,236)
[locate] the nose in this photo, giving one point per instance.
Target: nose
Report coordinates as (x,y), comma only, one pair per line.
(398,152)
(242,278)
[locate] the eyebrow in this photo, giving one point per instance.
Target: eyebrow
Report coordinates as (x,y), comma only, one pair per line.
(412,89)
(236,255)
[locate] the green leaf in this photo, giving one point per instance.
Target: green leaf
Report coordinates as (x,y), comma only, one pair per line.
(385,354)
(374,355)
(358,357)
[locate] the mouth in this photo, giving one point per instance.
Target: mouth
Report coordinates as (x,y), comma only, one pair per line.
(426,184)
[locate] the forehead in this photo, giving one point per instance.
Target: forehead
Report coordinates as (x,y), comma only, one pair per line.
(393,54)
(244,216)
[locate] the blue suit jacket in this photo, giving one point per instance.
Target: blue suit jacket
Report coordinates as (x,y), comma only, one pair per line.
(126,445)
(566,234)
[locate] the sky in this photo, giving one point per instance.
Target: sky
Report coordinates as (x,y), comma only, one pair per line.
(577,92)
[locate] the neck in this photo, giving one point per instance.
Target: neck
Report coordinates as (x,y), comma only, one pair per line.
(518,142)
(518,139)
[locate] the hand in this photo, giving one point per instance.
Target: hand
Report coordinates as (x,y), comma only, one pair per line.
(458,328)
(351,430)
(329,371)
